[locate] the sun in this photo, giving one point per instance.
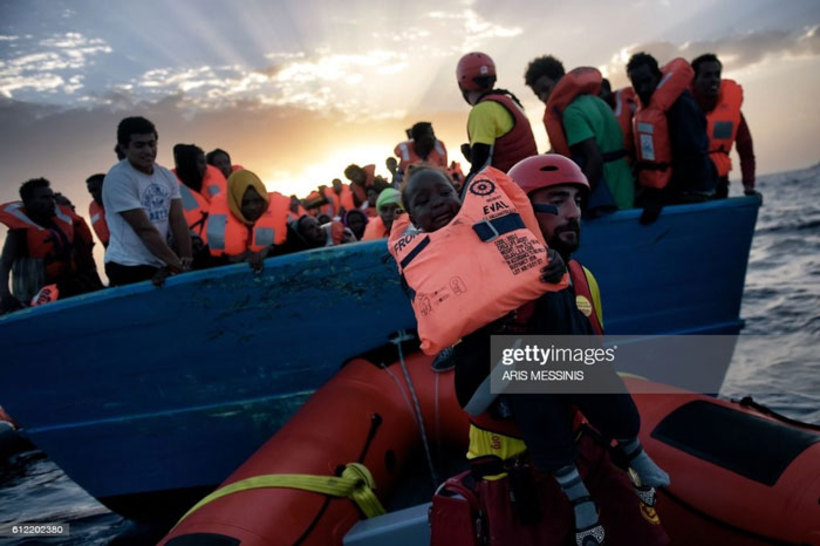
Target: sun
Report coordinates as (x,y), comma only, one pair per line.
(301,182)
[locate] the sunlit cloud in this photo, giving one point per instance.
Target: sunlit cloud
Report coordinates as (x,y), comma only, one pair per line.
(51,64)
(736,52)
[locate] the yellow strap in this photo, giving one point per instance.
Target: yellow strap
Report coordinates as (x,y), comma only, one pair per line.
(356,483)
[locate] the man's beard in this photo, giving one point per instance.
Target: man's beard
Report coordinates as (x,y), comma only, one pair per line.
(562,247)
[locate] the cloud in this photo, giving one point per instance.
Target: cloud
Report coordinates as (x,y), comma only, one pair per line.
(735,52)
(52,64)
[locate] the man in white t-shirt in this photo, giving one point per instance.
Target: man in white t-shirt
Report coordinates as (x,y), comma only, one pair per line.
(143,209)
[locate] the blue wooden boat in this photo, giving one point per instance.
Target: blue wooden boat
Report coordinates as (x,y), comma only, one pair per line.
(148,397)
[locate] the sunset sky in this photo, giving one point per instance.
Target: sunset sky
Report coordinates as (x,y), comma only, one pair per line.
(296,90)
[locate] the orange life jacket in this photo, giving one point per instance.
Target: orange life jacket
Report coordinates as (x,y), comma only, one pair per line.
(519,143)
(626,104)
(723,122)
(214,183)
(97,214)
(337,201)
(653,151)
(503,252)
(406,152)
(227,236)
(375,229)
(195,208)
(334,233)
(583,80)
(55,250)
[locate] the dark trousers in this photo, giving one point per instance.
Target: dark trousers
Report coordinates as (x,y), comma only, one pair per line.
(119,275)
(545,422)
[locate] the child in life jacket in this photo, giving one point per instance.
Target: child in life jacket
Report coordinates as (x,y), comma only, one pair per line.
(544,420)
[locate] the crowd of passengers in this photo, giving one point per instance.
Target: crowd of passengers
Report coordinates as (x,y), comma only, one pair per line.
(664,140)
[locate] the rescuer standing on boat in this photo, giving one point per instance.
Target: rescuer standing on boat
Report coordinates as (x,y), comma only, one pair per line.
(143,209)
(499,131)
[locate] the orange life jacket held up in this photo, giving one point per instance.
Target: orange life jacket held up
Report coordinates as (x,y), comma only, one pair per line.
(722,123)
(498,235)
(227,236)
(653,150)
(519,143)
(583,80)
(97,214)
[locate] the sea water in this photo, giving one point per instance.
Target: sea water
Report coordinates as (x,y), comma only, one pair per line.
(776,362)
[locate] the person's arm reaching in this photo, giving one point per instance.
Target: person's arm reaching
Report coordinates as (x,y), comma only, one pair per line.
(745,149)
(182,236)
(8,302)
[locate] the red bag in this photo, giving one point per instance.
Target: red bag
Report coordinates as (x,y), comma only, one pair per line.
(455,516)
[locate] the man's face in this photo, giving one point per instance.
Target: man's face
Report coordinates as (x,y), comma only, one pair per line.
(41,204)
(222,163)
(310,229)
(425,142)
(644,81)
(707,80)
(562,231)
(337,185)
(543,87)
(141,152)
(387,212)
(95,189)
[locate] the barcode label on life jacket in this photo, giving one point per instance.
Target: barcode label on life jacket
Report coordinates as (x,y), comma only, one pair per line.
(647,148)
(520,253)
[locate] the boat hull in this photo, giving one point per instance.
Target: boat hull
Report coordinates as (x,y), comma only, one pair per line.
(180,384)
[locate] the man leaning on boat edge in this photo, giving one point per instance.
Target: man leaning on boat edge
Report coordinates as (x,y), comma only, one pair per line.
(143,209)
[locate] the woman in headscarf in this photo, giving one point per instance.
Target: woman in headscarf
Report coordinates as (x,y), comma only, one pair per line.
(388,203)
(249,222)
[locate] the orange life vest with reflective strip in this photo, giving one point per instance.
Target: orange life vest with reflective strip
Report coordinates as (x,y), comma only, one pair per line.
(406,152)
(653,152)
(375,229)
(55,249)
(227,236)
(97,214)
(214,183)
(337,201)
(626,104)
(519,143)
(195,208)
(502,252)
(722,123)
(583,80)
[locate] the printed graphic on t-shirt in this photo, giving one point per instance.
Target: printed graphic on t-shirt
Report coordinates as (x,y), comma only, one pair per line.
(156,201)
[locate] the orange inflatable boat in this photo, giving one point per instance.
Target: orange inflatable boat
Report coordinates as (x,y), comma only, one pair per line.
(739,477)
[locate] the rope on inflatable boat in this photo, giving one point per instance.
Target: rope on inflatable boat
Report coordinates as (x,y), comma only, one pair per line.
(404,336)
(355,483)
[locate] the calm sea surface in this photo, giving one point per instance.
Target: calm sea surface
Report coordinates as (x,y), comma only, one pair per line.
(776,362)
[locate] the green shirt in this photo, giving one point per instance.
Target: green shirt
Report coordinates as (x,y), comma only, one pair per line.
(589,117)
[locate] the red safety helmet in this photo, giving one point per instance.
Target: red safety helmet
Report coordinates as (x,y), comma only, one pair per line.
(471,66)
(542,171)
